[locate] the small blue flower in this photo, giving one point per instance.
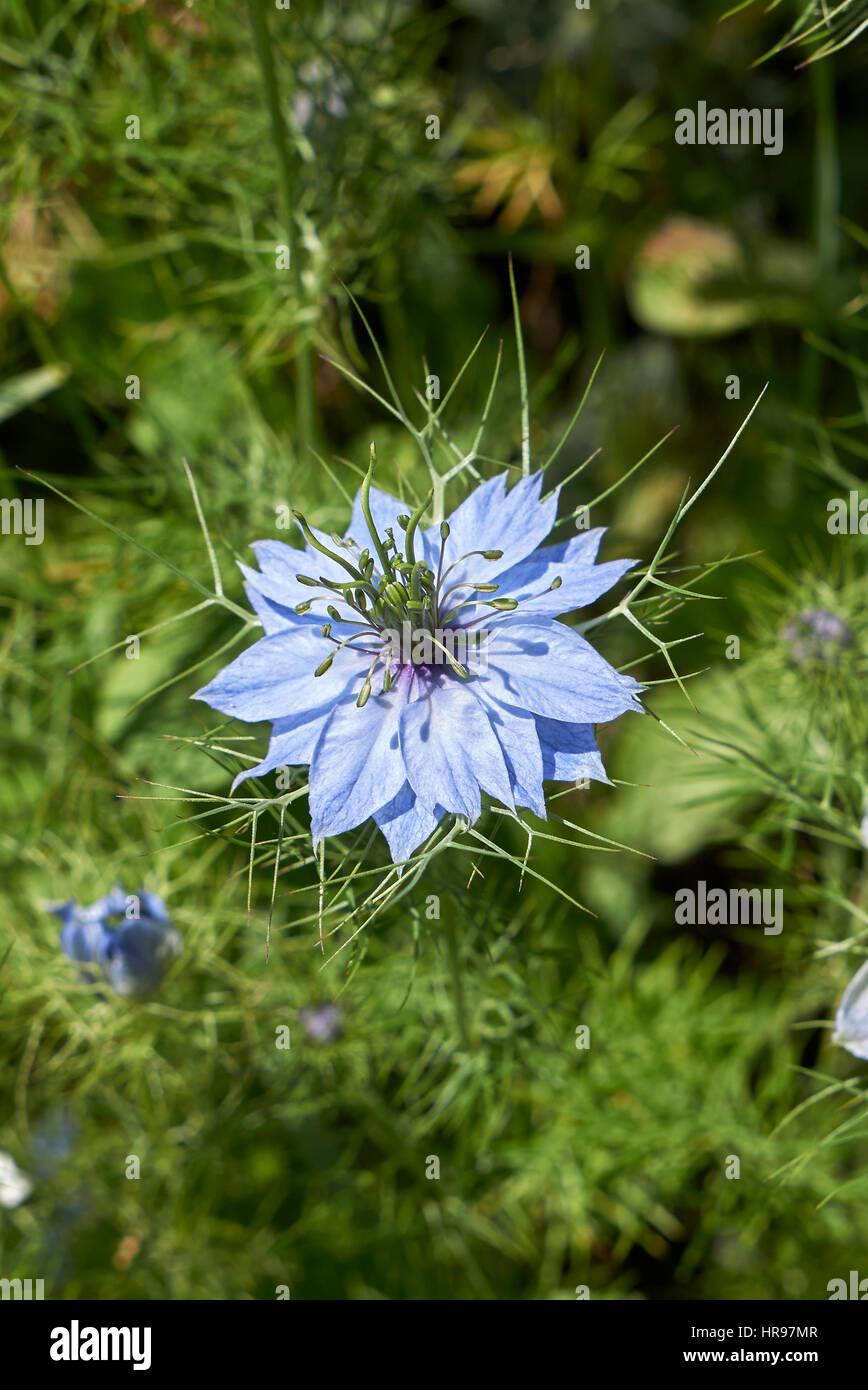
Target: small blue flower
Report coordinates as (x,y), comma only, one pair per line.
(130,939)
(816,635)
(497,698)
(324,1022)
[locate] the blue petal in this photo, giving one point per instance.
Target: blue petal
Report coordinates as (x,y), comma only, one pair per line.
(516,732)
(153,905)
(82,940)
(279,564)
(135,958)
(450,749)
(406,823)
(583,581)
(293,741)
(548,669)
(357,765)
(273,616)
(275,677)
(569,751)
(112,905)
(491,518)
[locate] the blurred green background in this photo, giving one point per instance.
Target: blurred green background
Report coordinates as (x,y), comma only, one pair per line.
(147,315)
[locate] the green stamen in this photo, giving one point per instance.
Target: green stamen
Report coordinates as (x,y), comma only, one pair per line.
(323,549)
(412,526)
(366,511)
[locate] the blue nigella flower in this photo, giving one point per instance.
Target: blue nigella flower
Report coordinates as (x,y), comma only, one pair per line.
(441,672)
(324,1022)
(816,635)
(130,940)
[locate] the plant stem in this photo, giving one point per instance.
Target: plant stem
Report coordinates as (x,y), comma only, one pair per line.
(303,368)
(826,199)
(457,983)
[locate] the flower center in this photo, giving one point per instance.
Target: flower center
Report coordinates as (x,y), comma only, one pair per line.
(406,612)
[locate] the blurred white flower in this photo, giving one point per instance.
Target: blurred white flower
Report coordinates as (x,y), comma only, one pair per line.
(851,1020)
(15,1186)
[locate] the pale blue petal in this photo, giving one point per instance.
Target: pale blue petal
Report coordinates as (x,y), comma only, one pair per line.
(583,581)
(516,732)
(276,577)
(548,669)
(450,749)
(275,677)
(357,765)
(279,564)
(293,741)
(406,823)
(569,752)
(491,518)
(273,616)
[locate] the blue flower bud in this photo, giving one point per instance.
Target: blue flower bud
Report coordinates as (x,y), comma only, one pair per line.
(130,939)
(81,932)
(136,956)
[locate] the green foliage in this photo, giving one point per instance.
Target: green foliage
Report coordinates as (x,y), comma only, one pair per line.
(461,985)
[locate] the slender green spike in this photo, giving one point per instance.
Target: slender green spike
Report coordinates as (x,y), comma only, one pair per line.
(366,512)
(413,525)
(323,666)
(323,549)
(522,377)
(305,579)
(364,693)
